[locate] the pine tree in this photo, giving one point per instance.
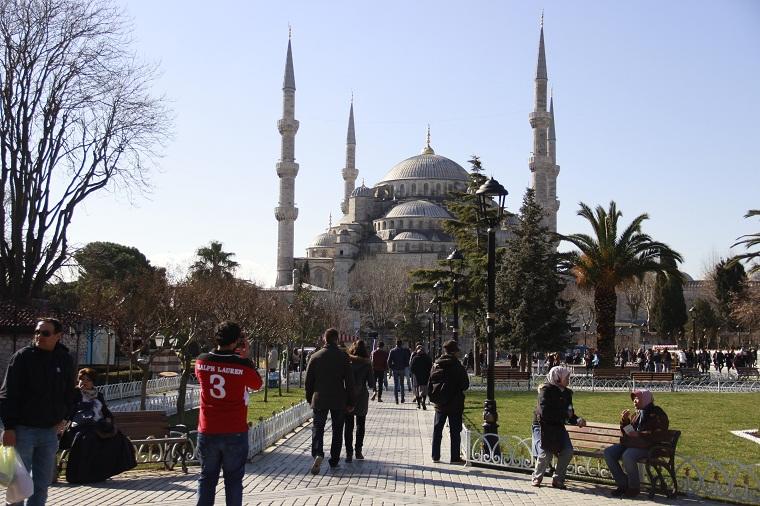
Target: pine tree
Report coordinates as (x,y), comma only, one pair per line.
(669,306)
(532,315)
(730,286)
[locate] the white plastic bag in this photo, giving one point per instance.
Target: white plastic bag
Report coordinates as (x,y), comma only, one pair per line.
(22,486)
(7,464)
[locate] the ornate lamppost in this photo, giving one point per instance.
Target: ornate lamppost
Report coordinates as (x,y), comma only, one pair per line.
(437,301)
(431,336)
(491,212)
(456,261)
(692,312)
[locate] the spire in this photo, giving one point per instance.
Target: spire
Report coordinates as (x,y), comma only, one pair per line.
(552,135)
(428,150)
(329,223)
(351,135)
(289,83)
(541,67)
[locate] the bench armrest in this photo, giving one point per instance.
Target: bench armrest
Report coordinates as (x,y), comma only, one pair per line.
(661,450)
(180,428)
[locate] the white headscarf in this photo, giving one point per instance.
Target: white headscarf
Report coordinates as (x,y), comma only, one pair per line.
(557,374)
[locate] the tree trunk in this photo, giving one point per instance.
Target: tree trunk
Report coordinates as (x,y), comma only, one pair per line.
(144,385)
(182,391)
(605,305)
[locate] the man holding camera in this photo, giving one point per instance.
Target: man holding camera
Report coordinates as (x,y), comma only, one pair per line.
(224,378)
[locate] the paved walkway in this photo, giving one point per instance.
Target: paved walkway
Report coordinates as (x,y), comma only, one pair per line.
(398,470)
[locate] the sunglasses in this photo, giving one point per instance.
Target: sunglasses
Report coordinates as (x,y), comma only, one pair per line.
(43,333)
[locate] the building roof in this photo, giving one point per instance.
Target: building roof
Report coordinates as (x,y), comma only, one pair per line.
(362,191)
(410,236)
(426,166)
(322,240)
(418,208)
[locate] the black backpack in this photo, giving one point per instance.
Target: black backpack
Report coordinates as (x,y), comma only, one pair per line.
(438,393)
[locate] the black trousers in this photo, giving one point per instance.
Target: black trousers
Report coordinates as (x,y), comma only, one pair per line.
(455,428)
(348,432)
(379,382)
(318,433)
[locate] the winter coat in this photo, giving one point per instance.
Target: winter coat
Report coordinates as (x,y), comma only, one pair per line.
(380,360)
(448,371)
(398,359)
(420,367)
(553,410)
(38,390)
(652,425)
(329,380)
(363,381)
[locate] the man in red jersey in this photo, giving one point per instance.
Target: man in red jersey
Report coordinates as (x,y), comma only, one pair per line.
(224,378)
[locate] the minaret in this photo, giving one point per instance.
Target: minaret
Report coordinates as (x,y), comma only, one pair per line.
(350,172)
(543,160)
(287,170)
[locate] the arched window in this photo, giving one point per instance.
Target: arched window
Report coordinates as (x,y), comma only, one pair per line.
(392,224)
(401,190)
(438,188)
(400,223)
(414,188)
(425,189)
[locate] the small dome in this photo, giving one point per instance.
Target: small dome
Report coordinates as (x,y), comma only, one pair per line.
(362,191)
(427,166)
(410,236)
(418,208)
(323,240)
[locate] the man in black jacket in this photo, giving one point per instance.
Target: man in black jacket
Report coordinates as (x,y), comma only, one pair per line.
(446,387)
(35,399)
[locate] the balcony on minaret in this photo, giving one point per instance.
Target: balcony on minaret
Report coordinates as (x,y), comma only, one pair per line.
(287,169)
(539,162)
(287,126)
(284,213)
(540,119)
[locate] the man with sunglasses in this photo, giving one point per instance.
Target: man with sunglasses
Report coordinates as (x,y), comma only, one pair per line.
(36,396)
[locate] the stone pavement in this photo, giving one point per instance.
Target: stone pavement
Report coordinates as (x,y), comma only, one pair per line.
(398,470)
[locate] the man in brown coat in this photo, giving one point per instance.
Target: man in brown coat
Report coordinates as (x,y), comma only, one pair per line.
(329,389)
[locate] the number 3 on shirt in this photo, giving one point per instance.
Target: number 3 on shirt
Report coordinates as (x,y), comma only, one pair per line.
(217,386)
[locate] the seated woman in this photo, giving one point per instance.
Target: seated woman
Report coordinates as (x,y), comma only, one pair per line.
(648,426)
(553,411)
(97,450)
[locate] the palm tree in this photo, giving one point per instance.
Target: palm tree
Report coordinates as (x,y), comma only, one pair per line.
(607,261)
(213,262)
(749,241)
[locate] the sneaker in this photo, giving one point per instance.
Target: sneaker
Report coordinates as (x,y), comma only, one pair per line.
(333,465)
(349,458)
(379,400)
(402,400)
(396,401)
(359,455)
(618,492)
(424,407)
(316,465)
(536,482)
(558,484)
(632,492)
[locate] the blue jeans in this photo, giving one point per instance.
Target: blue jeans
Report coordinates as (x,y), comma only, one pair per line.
(398,382)
(227,452)
(37,447)
(455,428)
(338,417)
(543,458)
(629,478)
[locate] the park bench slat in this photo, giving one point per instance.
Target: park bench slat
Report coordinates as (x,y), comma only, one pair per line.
(747,372)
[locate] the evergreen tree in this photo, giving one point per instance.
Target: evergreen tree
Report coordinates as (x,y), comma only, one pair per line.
(730,286)
(669,305)
(531,314)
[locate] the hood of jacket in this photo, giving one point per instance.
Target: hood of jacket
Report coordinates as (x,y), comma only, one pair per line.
(445,361)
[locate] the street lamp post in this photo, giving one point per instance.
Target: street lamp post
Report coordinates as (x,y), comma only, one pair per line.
(692,312)
(492,216)
(431,336)
(438,302)
(456,259)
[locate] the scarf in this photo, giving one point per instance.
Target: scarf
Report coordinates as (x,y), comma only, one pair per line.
(556,375)
(89,395)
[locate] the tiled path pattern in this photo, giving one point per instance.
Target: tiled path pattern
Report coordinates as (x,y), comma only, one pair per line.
(398,470)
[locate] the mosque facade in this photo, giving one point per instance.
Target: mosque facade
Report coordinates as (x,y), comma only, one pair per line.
(400,217)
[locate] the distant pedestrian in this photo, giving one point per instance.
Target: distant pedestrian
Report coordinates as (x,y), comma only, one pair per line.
(36,397)
(361,368)
(421,365)
(224,378)
(398,363)
(379,367)
(272,358)
(446,386)
(329,390)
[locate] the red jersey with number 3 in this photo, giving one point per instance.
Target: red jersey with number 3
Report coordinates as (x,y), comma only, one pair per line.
(224,378)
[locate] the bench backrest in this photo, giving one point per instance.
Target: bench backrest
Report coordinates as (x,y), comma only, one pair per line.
(594,436)
(513,374)
(141,424)
(747,371)
(652,376)
(616,372)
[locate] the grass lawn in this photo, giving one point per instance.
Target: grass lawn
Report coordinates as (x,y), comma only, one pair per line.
(704,419)
(257,408)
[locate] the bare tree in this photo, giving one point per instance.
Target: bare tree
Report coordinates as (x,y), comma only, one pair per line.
(379,289)
(76,116)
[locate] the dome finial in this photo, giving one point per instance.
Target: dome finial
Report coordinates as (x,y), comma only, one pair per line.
(542,18)
(428,150)
(290,32)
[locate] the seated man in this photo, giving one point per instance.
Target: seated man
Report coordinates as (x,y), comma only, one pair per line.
(648,426)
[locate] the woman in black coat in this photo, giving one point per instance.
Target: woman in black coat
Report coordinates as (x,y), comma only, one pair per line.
(420,367)
(554,409)
(361,367)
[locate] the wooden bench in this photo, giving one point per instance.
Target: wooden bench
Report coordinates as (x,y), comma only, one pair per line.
(498,370)
(692,373)
(747,372)
(591,441)
(149,432)
(648,378)
(508,374)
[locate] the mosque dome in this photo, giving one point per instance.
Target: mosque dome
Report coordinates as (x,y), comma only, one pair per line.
(410,236)
(323,240)
(362,191)
(418,209)
(426,166)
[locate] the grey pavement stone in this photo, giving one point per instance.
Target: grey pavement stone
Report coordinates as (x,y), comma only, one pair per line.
(398,470)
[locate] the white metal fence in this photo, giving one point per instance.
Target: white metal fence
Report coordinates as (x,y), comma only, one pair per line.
(695,476)
(166,402)
(589,383)
(132,388)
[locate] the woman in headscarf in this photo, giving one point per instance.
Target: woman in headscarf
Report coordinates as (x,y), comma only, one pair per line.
(648,426)
(554,409)
(361,366)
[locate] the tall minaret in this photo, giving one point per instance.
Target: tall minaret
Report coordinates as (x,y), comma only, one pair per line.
(287,170)
(543,160)
(350,172)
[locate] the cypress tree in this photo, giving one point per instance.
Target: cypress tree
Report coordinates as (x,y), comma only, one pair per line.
(669,306)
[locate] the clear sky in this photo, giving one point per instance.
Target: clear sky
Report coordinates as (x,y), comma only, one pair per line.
(656,108)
